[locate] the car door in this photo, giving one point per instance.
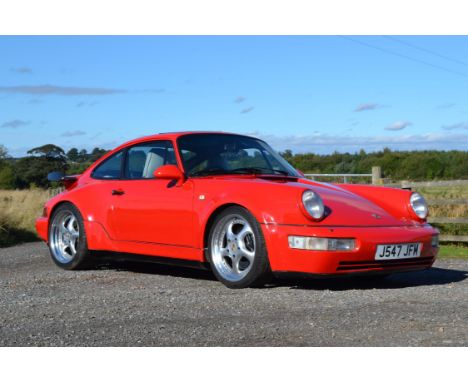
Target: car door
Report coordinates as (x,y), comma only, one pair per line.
(150,210)
(100,192)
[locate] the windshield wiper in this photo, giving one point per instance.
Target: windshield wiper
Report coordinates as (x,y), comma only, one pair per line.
(240,170)
(209,171)
(259,170)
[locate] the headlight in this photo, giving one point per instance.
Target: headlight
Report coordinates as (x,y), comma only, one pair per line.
(419,205)
(313,204)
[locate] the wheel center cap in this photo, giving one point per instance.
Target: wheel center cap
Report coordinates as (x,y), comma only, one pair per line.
(234,247)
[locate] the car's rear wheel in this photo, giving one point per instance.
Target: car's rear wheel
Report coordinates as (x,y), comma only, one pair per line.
(67,238)
(236,249)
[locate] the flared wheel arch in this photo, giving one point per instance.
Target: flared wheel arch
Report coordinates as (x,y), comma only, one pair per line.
(211,220)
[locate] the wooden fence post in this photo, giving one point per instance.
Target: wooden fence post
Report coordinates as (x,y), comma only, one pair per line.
(376,175)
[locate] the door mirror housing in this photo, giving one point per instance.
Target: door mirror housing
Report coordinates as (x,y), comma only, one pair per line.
(169,172)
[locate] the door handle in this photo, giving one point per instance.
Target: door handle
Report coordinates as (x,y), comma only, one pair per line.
(118,192)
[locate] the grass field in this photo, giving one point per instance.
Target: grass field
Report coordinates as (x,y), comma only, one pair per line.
(449,211)
(18,210)
(453,251)
(453,192)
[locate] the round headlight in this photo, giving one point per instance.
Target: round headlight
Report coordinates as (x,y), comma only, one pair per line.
(313,204)
(419,205)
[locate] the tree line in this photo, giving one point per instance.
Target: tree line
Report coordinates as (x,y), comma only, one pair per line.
(32,170)
(396,165)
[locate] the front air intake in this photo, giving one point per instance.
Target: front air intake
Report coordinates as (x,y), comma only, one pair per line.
(386,264)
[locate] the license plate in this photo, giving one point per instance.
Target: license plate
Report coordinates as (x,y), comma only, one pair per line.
(398,251)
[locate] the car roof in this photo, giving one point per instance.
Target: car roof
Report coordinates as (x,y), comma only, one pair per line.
(171,136)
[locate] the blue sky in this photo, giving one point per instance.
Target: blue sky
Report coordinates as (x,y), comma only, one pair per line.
(309,93)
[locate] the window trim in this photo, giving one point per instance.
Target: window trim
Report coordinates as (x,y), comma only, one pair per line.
(124,154)
(124,162)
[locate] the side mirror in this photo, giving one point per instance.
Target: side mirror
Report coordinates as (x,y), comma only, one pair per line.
(55,176)
(300,172)
(170,172)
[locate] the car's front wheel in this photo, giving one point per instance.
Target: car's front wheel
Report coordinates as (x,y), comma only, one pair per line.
(237,251)
(67,238)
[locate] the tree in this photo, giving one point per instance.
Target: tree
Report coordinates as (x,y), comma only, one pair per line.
(42,160)
(3,152)
(97,153)
(82,155)
(34,170)
(287,154)
(7,177)
(48,151)
(72,154)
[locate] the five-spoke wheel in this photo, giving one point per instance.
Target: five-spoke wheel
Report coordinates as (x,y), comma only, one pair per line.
(64,236)
(67,238)
(237,252)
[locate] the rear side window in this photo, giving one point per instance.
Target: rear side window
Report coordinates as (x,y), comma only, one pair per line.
(110,168)
(143,159)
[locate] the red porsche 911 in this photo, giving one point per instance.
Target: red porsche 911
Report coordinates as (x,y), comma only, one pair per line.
(230,202)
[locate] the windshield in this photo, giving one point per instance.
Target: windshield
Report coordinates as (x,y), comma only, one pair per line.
(217,154)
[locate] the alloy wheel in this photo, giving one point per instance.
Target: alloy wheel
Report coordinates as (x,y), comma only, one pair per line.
(233,248)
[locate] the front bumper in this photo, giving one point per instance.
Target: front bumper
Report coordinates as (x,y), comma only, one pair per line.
(360,260)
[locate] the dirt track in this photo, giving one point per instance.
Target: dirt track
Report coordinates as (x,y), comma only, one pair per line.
(155,305)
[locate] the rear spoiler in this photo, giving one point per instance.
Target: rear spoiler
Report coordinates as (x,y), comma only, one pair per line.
(69,181)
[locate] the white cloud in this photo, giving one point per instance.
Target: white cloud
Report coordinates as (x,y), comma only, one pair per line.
(447,105)
(367,106)
(456,126)
(247,110)
(73,133)
(22,70)
(398,125)
(324,143)
(14,124)
(83,104)
(59,90)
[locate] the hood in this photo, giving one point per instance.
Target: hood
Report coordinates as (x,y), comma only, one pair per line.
(347,206)
(278,199)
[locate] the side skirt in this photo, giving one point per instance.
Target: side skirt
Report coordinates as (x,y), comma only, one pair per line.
(131,257)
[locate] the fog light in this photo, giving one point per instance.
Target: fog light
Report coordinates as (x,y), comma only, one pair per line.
(435,241)
(321,243)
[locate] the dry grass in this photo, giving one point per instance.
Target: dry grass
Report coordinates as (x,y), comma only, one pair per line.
(18,211)
(453,192)
(444,192)
(449,211)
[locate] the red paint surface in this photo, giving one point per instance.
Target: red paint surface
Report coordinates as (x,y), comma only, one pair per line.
(162,217)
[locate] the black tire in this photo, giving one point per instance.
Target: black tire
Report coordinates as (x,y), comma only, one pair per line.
(260,271)
(81,259)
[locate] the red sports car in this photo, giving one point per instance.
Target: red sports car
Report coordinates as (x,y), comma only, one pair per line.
(231,202)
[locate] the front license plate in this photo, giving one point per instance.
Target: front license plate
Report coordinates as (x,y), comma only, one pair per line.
(398,251)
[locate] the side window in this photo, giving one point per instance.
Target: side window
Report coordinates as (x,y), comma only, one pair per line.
(110,168)
(143,159)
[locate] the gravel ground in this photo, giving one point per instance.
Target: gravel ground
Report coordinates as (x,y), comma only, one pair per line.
(155,305)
